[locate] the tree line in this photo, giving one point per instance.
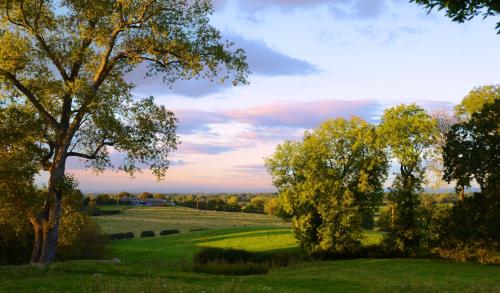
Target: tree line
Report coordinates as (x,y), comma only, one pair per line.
(260,203)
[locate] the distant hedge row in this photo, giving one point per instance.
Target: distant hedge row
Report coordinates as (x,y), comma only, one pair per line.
(120,236)
(169,232)
(144,234)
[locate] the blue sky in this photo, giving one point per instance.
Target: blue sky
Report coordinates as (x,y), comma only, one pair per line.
(311,60)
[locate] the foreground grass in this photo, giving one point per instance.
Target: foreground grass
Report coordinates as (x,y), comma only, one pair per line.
(361,275)
(164,264)
(185,219)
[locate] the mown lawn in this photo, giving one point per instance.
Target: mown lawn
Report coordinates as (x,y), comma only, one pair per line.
(163,264)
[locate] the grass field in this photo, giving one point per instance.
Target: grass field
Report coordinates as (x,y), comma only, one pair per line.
(163,264)
(185,219)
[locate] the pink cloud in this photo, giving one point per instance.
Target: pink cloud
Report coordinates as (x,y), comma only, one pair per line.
(303,114)
(298,115)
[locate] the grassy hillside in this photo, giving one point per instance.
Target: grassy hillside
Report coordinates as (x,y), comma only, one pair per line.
(184,219)
(361,275)
(163,264)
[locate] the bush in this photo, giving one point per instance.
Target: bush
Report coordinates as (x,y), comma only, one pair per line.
(223,255)
(145,234)
(232,269)
(169,232)
(468,231)
(215,255)
(129,235)
(465,253)
(15,246)
(116,236)
(80,238)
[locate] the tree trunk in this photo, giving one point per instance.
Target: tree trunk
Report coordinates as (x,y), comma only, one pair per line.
(49,232)
(37,242)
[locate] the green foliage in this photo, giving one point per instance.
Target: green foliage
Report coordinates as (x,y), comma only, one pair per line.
(79,236)
(121,236)
(466,231)
(64,61)
(274,207)
(475,100)
(210,257)
(462,10)
(145,195)
(409,132)
(329,181)
(169,232)
(472,150)
(148,233)
(225,255)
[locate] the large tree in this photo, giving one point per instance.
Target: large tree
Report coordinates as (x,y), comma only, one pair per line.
(462,10)
(409,133)
(474,101)
(64,61)
(472,150)
(329,182)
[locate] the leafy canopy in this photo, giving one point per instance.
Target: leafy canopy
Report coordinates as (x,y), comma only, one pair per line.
(409,133)
(329,181)
(475,100)
(472,149)
(462,10)
(64,61)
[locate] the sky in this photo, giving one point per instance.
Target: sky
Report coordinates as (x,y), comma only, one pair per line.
(310,60)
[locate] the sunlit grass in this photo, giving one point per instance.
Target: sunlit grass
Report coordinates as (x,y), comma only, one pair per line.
(163,264)
(185,219)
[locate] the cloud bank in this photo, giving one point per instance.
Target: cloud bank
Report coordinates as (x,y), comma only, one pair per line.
(357,9)
(262,60)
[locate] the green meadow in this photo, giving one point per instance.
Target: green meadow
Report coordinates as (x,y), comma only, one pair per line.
(164,263)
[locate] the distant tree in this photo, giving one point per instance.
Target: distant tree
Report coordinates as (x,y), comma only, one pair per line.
(327,182)
(123,194)
(462,10)
(64,62)
(444,121)
(232,200)
(273,207)
(475,100)
(145,194)
(409,133)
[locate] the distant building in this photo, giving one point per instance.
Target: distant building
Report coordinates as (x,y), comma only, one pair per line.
(150,202)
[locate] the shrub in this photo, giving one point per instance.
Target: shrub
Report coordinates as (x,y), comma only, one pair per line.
(145,234)
(224,255)
(129,235)
(215,255)
(80,238)
(464,253)
(169,232)
(116,236)
(232,269)
(15,246)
